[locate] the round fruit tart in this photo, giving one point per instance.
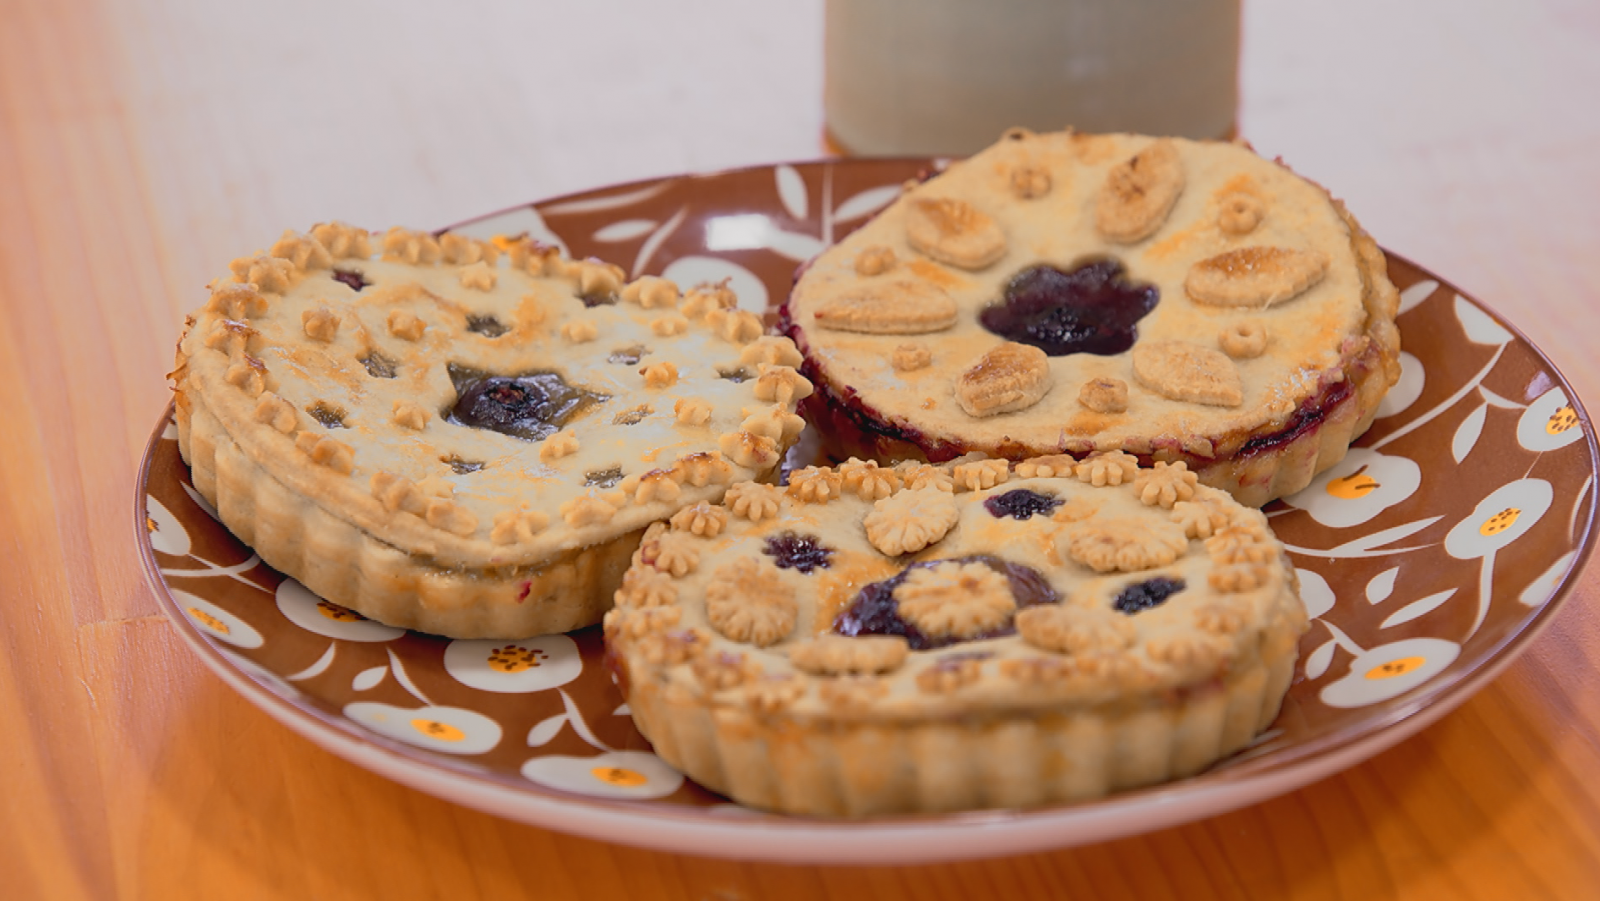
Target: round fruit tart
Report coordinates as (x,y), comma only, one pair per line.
(872,640)
(1071,293)
(467,437)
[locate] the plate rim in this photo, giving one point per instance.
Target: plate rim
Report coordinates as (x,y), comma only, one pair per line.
(881,840)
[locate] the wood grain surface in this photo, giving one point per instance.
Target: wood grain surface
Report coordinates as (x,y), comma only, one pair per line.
(143,145)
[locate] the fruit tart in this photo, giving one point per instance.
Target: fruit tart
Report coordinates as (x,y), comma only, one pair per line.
(1176,300)
(871,640)
(468,437)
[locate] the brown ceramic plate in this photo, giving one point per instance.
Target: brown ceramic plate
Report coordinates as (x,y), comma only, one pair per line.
(1429,559)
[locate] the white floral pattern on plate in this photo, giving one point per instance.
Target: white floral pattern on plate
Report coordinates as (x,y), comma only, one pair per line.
(452,730)
(314,614)
(1390,670)
(529,664)
(1358,488)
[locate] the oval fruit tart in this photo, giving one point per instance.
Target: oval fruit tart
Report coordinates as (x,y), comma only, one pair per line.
(872,640)
(1072,293)
(449,437)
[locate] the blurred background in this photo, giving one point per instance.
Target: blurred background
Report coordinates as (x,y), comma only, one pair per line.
(1424,116)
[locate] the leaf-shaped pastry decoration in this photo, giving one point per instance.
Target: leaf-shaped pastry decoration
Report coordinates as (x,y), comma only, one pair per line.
(1179,370)
(954,231)
(903,307)
(1139,193)
(1008,378)
(1254,277)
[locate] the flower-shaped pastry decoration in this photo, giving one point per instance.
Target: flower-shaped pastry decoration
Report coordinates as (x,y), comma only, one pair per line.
(815,484)
(976,475)
(748,600)
(837,655)
(529,664)
(754,501)
(925,475)
(1549,422)
(868,480)
(1390,670)
(910,521)
(1165,484)
(959,600)
(672,553)
(1127,545)
(1199,519)
(646,588)
(705,520)
(1112,468)
(1075,630)
(1358,488)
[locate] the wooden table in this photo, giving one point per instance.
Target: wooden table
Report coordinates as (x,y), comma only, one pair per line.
(144,145)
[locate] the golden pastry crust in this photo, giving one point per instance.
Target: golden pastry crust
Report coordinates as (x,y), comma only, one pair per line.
(1274,310)
(791,686)
(331,378)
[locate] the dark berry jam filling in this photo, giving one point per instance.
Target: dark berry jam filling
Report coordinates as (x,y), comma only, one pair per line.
(603,478)
(735,375)
(350,277)
(633,416)
(1144,595)
(486,325)
(330,416)
(1308,416)
(791,550)
(1090,309)
(628,356)
(459,466)
(532,406)
(379,366)
(1021,504)
(875,611)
